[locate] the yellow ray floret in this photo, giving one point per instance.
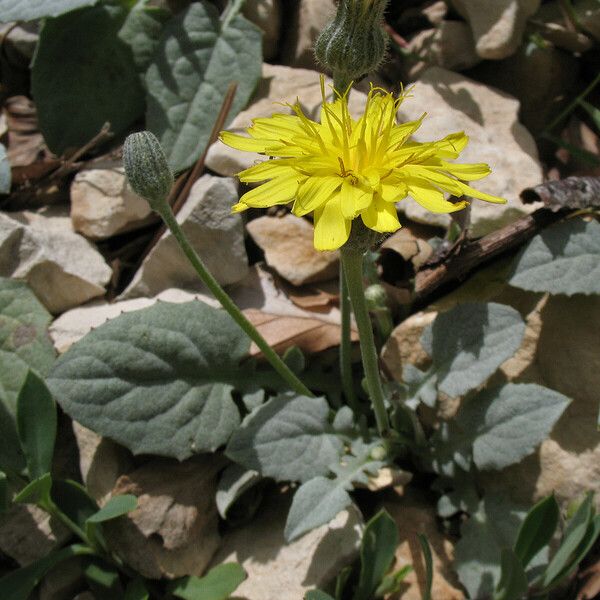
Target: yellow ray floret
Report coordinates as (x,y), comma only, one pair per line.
(340,168)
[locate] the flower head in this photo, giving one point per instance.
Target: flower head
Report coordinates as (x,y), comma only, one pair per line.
(342,168)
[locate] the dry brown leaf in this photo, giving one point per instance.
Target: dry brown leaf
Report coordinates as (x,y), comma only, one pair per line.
(314,300)
(282,332)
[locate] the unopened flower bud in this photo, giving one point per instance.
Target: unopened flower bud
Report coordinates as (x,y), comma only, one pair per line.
(376,297)
(147,169)
(379,453)
(354,43)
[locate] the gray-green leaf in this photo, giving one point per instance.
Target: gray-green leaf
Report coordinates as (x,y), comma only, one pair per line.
(158,380)
(83,76)
(563,259)
(287,438)
(28,10)
(469,342)
(315,503)
(195,62)
(506,424)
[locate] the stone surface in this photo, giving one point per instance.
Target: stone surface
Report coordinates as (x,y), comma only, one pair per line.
(537,78)
(215,233)
(559,350)
(102,203)
(289,249)
(489,117)
(414,515)
(306,22)
(278,85)
(74,324)
(173,531)
(101,462)
(497,25)
(449,45)
(277,570)
(62,268)
(267,15)
(27,533)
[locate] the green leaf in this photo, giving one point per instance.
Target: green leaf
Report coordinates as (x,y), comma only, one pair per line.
(537,530)
(74,501)
(136,590)
(4,498)
(116,507)
(377,550)
(507,423)
(317,595)
(141,31)
(592,111)
(36,492)
(469,342)
(103,579)
(158,380)
(83,76)
(573,537)
(5,173)
(194,64)
(28,10)
(426,549)
(234,482)
(218,584)
(19,584)
(36,425)
(287,438)
(392,583)
(24,345)
(315,503)
(562,259)
(513,581)
(477,560)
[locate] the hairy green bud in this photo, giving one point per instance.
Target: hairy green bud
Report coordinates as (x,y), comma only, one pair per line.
(354,43)
(147,169)
(376,297)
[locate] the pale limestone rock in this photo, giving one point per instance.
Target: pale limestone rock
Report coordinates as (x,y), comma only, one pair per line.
(27,533)
(497,25)
(101,462)
(62,268)
(216,234)
(174,529)
(449,46)
(277,570)
(436,12)
(289,249)
(267,15)
(489,117)
(74,324)
(103,204)
(305,24)
(415,515)
(278,85)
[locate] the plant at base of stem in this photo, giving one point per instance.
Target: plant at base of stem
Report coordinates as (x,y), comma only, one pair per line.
(150,176)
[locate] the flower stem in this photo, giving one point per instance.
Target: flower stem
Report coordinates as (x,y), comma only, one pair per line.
(352,260)
(346,345)
(227,303)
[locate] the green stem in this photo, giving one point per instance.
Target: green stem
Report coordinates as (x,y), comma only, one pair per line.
(352,261)
(346,345)
(572,105)
(233,9)
(227,303)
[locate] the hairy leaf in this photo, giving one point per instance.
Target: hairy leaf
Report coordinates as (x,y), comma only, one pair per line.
(506,424)
(83,76)
(28,10)
(469,342)
(197,58)
(157,380)
(563,259)
(218,584)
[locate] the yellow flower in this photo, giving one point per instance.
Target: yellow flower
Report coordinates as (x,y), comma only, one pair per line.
(340,168)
